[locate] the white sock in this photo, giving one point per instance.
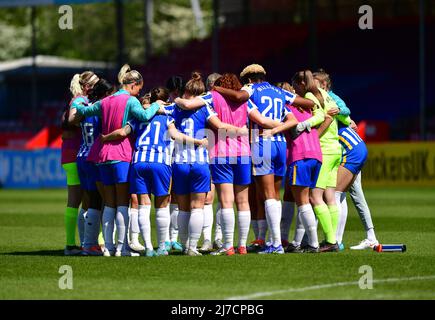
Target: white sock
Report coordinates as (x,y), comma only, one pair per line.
(173,226)
(254,225)
(162,222)
(300,230)
(262,229)
(227,225)
(81,225)
(371,234)
(167,231)
(288,210)
(108,225)
(134,225)
(92,228)
(195,227)
(208,221)
(122,221)
(218,224)
(183,226)
(243,223)
(145,225)
(309,221)
(273,216)
(340,198)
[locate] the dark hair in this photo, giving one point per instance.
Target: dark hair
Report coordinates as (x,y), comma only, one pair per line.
(102,89)
(229,81)
(159,93)
(176,83)
(195,86)
(255,77)
(306,79)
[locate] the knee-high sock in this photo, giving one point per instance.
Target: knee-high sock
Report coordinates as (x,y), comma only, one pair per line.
(309,221)
(340,198)
(322,213)
(162,223)
(254,225)
(208,221)
(243,223)
(92,228)
(145,225)
(357,194)
(71,225)
(288,210)
(134,225)
(334,211)
(262,229)
(273,216)
(218,224)
(183,227)
(195,227)
(227,225)
(108,225)
(122,223)
(299,231)
(81,218)
(173,227)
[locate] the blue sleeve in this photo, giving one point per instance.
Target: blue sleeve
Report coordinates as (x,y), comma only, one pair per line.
(344,110)
(289,97)
(136,110)
(209,111)
(207,98)
(87,111)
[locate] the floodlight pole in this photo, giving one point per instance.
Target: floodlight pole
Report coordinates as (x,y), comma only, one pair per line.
(215,43)
(148,19)
(34,83)
(422,72)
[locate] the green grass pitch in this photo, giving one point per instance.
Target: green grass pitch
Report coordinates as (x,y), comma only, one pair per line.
(32,240)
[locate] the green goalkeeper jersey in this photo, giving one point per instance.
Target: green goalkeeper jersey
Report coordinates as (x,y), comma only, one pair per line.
(329,141)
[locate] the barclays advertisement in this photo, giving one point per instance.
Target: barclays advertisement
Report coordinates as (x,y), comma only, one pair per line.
(31,169)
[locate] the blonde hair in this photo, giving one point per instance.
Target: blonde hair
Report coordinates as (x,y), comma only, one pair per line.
(79,81)
(195,86)
(286,86)
(323,76)
(128,76)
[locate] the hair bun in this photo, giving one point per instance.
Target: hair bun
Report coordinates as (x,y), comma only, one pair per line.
(196,76)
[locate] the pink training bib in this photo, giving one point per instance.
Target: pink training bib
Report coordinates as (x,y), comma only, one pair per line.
(235,114)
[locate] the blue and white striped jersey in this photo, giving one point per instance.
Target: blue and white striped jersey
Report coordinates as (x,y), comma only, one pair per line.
(270,102)
(192,123)
(348,138)
(153,142)
(91,129)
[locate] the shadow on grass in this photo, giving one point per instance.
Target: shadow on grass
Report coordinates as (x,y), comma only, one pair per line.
(34,253)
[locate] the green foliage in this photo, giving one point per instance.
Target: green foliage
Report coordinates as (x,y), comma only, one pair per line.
(94,34)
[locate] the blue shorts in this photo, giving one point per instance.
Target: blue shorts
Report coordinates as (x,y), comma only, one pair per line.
(113,173)
(88,174)
(234,170)
(150,177)
(191,178)
(304,173)
(269,157)
(355,159)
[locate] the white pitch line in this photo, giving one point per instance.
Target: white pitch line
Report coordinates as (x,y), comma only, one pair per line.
(324,286)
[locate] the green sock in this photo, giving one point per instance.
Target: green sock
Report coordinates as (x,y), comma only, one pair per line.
(71,225)
(333,210)
(322,213)
(100,238)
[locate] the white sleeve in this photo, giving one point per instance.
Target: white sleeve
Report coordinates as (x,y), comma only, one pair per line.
(289,97)
(248,88)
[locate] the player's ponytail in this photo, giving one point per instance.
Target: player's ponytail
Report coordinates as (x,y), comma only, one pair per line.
(195,86)
(82,83)
(127,76)
(75,87)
